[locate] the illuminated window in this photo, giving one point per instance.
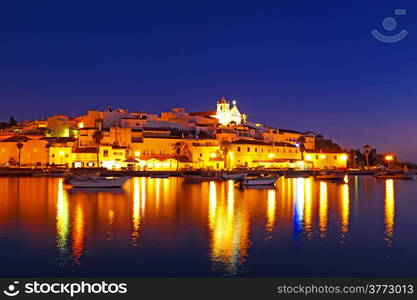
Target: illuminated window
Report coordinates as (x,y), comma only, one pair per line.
(78,164)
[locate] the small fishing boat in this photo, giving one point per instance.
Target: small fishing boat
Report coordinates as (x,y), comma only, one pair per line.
(52,174)
(297,174)
(258,180)
(159,175)
(199,176)
(97,182)
(388,175)
(112,191)
(333,176)
(362,172)
(233,176)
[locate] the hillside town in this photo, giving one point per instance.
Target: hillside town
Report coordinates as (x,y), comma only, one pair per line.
(219,139)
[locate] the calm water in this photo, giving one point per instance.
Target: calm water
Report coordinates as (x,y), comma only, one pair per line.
(164,227)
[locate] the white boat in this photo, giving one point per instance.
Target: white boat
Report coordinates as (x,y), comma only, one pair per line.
(97,182)
(233,176)
(386,175)
(330,176)
(258,181)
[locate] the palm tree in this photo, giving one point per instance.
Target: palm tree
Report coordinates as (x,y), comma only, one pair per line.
(19,146)
(98,137)
(176,147)
(180,149)
(300,146)
(366,149)
(225,149)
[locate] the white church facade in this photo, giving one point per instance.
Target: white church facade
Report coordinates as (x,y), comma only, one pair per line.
(226,114)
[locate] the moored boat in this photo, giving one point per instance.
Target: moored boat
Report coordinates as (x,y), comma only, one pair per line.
(199,176)
(159,175)
(52,174)
(333,176)
(402,175)
(258,180)
(233,176)
(97,182)
(297,174)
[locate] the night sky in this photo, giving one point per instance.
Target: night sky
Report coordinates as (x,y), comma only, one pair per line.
(304,65)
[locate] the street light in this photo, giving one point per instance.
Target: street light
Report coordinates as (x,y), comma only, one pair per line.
(389,158)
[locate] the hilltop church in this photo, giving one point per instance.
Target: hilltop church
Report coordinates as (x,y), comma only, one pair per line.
(227,115)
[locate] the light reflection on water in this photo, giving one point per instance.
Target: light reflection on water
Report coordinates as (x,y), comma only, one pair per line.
(323,211)
(389,210)
(165,227)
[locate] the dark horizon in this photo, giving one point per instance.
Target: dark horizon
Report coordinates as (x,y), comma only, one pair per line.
(305,66)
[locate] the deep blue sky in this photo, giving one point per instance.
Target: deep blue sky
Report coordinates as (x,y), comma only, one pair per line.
(305,65)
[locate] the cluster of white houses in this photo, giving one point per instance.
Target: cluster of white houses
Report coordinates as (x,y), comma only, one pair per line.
(116,139)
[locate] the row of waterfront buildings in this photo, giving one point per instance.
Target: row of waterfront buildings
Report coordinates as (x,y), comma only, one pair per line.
(118,139)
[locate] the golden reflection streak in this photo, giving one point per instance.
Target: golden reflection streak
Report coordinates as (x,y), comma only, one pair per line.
(308,208)
(230,197)
(212,202)
(229,230)
(135,212)
(157,184)
(111,216)
(78,234)
(389,210)
(323,211)
(143,196)
(271,207)
(345,208)
(62,218)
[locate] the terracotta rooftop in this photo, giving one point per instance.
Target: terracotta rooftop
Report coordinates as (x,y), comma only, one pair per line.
(16,138)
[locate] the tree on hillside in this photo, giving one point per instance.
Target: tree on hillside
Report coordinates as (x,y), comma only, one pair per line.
(181,149)
(19,146)
(98,138)
(12,121)
(225,149)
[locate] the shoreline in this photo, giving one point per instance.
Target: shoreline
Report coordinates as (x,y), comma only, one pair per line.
(13,172)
